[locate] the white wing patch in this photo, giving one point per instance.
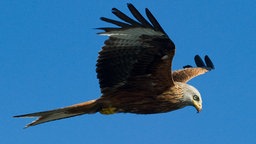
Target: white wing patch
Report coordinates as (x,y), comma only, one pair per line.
(132,33)
(130,36)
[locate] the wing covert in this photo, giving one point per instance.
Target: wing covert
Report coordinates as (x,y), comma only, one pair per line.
(190,72)
(138,53)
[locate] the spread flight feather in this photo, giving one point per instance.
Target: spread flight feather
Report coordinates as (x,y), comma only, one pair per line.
(134,72)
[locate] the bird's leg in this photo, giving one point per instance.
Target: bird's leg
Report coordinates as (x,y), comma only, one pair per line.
(108,110)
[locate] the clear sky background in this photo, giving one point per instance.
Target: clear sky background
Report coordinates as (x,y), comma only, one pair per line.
(48,52)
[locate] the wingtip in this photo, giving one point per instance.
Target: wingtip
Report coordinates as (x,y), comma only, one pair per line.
(197,56)
(114,10)
(199,62)
(147,10)
(209,62)
(129,4)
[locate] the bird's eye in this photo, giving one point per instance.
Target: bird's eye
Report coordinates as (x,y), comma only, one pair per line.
(196,98)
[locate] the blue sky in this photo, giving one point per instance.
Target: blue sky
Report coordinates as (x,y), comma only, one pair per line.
(48,52)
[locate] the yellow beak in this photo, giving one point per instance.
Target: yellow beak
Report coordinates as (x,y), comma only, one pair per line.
(198,106)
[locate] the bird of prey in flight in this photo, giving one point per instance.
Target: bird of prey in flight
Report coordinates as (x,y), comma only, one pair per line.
(134,72)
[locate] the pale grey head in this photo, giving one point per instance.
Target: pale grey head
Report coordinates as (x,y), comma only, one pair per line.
(191,96)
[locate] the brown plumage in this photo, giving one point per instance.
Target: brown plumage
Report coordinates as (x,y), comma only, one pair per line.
(134,72)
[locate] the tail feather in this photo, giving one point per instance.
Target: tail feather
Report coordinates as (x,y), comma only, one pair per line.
(61,113)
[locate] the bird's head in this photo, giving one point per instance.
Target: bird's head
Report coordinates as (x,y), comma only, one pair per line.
(191,96)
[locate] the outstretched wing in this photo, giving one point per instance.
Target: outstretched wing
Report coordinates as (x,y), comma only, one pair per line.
(190,72)
(137,55)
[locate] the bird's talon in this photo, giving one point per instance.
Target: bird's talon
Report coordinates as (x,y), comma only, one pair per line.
(107,111)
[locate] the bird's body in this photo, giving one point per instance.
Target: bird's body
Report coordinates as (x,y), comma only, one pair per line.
(146,102)
(134,72)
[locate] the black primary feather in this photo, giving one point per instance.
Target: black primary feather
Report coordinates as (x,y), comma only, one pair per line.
(124,57)
(118,23)
(155,23)
(208,62)
(199,62)
(139,17)
(125,18)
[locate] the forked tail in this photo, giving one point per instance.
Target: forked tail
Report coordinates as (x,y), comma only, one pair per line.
(61,113)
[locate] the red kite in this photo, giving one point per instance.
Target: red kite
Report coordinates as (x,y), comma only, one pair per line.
(134,72)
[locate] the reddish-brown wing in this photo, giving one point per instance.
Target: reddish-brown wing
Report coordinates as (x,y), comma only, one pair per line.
(190,72)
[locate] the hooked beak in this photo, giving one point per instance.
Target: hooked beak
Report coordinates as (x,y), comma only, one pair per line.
(198,107)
